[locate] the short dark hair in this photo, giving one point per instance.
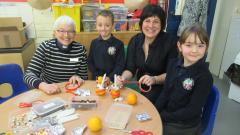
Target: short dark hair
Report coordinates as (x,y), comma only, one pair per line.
(106,13)
(153,10)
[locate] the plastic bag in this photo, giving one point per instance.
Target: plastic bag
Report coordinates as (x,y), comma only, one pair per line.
(233,72)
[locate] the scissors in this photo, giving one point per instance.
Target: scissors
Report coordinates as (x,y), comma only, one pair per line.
(24,105)
(139,85)
(28,104)
(138,132)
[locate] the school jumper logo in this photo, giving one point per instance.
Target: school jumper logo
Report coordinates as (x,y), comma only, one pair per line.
(111,50)
(188,83)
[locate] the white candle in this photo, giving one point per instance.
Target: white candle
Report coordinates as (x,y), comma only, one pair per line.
(115,80)
(103,80)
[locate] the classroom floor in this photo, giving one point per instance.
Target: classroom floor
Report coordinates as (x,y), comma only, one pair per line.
(228,116)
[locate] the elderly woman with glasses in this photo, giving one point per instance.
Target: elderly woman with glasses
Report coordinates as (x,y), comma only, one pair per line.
(58,60)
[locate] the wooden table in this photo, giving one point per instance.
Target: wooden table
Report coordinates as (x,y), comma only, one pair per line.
(143,105)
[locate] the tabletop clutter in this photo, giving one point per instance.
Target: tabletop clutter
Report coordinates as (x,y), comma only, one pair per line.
(48,117)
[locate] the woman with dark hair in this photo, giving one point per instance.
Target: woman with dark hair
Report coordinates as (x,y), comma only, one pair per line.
(149,52)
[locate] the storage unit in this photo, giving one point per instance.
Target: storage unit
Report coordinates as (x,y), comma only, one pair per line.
(20,56)
(12,32)
(120,12)
(234,91)
(70,10)
(89,25)
(120,25)
(89,12)
(133,24)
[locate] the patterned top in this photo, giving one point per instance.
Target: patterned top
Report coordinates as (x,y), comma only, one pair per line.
(52,63)
(194,11)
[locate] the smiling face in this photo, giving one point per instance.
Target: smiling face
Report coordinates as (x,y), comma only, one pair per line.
(192,49)
(65,33)
(151,27)
(104,26)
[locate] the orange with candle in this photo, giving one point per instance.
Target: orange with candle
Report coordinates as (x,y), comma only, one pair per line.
(115,92)
(100,90)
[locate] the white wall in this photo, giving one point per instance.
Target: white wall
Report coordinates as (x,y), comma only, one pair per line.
(20,9)
(225,9)
(39,22)
(43,21)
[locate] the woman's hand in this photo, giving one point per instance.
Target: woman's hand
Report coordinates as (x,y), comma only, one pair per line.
(76,79)
(49,88)
(147,80)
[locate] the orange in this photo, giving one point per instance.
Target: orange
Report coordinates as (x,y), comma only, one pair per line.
(94,124)
(99,79)
(131,98)
(100,92)
(115,93)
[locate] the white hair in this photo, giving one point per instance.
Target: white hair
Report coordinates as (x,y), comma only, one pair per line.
(64,20)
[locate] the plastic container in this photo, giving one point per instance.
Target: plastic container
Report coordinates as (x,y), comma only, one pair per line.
(120,12)
(49,106)
(120,25)
(70,10)
(89,12)
(20,121)
(89,25)
(84,102)
(133,24)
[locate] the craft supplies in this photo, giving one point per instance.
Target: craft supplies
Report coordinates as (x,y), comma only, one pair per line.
(118,115)
(82,92)
(42,126)
(79,102)
(79,130)
(143,116)
(137,132)
(21,121)
(48,107)
(71,88)
(28,104)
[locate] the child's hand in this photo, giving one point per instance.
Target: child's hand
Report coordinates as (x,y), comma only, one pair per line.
(147,80)
(120,80)
(49,88)
(76,79)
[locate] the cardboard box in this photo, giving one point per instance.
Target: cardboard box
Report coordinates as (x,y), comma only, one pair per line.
(12,32)
(20,56)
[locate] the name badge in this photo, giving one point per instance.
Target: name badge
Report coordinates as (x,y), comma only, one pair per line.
(74,59)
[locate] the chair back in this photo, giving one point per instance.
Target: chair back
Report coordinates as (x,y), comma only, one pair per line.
(13,75)
(209,111)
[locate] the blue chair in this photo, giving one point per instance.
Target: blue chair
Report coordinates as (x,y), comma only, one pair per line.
(209,111)
(13,75)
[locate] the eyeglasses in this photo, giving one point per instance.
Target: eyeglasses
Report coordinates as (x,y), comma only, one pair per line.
(68,32)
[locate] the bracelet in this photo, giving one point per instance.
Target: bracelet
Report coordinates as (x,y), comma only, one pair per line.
(71,89)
